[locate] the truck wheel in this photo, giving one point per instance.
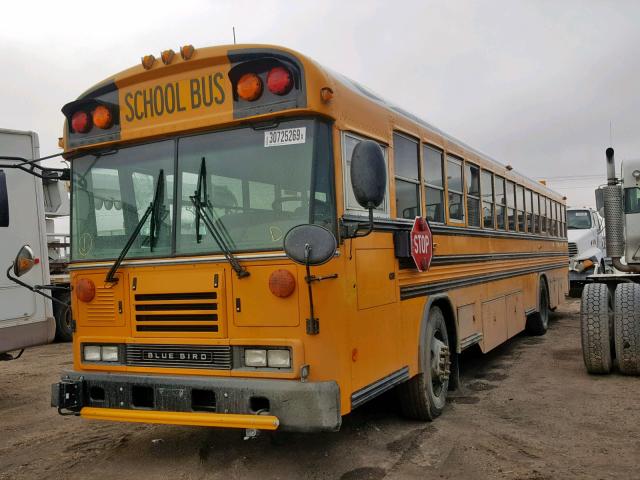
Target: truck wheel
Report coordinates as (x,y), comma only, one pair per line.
(62,314)
(595,327)
(627,328)
(425,395)
(538,322)
(575,291)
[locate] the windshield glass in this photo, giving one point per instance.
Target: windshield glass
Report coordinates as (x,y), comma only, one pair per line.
(111,193)
(259,184)
(578,219)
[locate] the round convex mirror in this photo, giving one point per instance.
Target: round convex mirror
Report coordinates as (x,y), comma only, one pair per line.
(310,244)
(25,260)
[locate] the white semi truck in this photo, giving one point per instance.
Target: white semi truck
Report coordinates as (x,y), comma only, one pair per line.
(585,232)
(28,195)
(610,308)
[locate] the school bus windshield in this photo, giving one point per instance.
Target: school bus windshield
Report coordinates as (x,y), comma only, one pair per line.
(256,184)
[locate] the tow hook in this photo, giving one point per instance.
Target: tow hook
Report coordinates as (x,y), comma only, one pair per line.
(251,433)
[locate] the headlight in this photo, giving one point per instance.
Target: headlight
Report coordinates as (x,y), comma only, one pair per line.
(279,358)
(100,353)
(110,353)
(92,353)
(255,358)
(267,357)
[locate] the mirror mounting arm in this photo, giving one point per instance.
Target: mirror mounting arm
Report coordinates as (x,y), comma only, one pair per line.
(313,324)
(37,288)
(354,230)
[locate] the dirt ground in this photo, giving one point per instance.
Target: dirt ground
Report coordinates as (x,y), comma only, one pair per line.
(526,411)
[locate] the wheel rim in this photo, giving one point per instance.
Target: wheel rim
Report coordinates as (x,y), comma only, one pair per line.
(440,364)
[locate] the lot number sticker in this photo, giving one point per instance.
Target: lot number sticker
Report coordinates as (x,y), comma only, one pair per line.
(286,136)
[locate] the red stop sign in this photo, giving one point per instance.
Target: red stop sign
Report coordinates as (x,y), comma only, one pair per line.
(421,244)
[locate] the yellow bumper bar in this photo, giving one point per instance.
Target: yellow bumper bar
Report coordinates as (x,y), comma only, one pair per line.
(224,420)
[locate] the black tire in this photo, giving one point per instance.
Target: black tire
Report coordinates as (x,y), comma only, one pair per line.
(627,328)
(62,314)
(425,395)
(595,327)
(538,322)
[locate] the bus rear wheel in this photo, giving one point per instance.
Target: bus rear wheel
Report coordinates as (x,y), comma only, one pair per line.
(425,395)
(538,322)
(627,328)
(595,327)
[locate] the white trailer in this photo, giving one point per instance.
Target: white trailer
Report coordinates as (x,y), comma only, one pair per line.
(26,318)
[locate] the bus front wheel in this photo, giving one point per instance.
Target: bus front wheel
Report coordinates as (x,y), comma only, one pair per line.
(62,314)
(425,395)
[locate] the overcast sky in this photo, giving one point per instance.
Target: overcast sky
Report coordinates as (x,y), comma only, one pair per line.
(532,83)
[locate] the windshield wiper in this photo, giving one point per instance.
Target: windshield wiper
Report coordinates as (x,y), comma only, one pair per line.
(201,214)
(154,210)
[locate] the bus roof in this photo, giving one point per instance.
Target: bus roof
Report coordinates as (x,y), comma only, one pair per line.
(354,107)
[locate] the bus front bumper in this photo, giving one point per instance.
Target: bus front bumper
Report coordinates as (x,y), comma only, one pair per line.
(262,404)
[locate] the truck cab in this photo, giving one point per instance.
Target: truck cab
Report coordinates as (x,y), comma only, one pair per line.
(26,318)
(586,235)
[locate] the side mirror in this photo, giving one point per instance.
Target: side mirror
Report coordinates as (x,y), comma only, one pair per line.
(25,260)
(600,201)
(310,244)
(368,174)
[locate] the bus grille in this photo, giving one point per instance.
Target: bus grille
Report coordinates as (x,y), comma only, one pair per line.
(102,308)
(573,249)
(217,357)
(177,312)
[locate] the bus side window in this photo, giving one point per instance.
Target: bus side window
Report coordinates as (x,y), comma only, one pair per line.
(406,156)
(472,178)
(349,142)
(520,208)
(433,173)
(4,201)
(536,214)
(527,201)
(500,203)
(455,189)
(486,184)
(543,215)
(511,205)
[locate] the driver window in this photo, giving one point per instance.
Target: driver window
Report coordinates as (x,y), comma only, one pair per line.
(349,142)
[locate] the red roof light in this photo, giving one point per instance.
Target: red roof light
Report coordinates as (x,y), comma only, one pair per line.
(80,122)
(279,81)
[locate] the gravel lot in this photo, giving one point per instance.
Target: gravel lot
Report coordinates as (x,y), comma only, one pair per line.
(526,411)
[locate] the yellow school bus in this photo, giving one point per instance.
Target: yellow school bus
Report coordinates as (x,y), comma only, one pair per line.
(241,251)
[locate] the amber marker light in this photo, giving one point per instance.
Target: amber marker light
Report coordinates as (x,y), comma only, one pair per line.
(102,117)
(249,87)
(148,61)
(167,56)
(85,290)
(326,94)
(80,122)
(282,283)
(187,51)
